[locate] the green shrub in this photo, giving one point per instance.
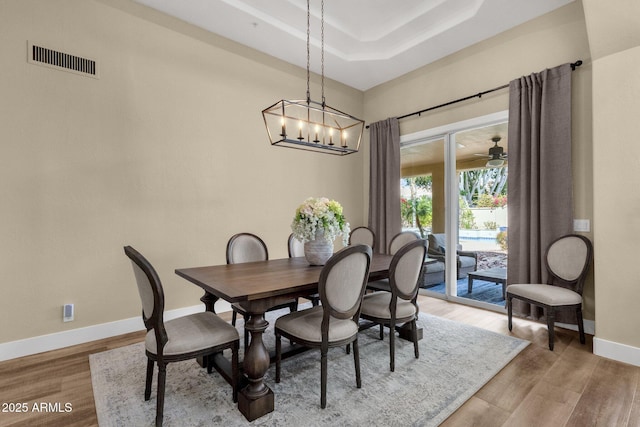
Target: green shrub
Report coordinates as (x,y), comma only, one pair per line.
(488,201)
(501,237)
(467,220)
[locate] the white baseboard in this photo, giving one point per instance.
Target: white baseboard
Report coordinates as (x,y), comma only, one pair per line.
(616,351)
(28,346)
(589,327)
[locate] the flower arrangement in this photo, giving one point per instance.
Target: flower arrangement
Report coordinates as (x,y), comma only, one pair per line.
(320,214)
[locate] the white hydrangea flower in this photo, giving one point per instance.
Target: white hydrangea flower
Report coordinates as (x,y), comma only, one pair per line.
(320,214)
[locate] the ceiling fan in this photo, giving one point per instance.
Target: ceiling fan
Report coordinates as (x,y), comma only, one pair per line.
(496,155)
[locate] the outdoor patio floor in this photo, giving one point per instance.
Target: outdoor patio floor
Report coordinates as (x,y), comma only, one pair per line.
(489,292)
(482,291)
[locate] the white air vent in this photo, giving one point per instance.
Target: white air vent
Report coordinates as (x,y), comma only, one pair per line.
(37,54)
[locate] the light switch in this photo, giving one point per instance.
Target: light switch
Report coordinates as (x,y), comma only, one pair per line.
(581,225)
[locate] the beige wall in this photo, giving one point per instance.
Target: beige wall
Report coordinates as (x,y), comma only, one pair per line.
(614,35)
(553,39)
(167,152)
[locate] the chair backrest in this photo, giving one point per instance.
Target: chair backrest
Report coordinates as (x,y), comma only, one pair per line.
(406,269)
(342,283)
(151,294)
(401,239)
(296,247)
(438,245)
(246,247)
(362,236)
(568,259)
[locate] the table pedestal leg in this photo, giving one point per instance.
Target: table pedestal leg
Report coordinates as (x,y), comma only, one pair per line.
(209,301)
(256,399)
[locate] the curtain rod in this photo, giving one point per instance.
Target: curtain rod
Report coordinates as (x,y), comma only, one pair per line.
(478,95)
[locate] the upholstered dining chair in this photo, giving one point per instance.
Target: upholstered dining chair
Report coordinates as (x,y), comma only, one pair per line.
(296,249)
(364,236)
(183,338)
(335,322)
(400,305)
(401,239)
(567,261)
(247,247)
(397,242)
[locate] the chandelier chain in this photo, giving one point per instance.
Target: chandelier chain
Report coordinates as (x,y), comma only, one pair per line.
(322,49)
(316,126)
(308,51)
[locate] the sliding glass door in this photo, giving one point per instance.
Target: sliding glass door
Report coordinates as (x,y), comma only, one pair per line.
(454,193)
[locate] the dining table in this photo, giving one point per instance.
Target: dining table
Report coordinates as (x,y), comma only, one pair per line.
(256,287)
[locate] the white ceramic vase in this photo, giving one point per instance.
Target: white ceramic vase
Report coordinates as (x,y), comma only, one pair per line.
(318,251)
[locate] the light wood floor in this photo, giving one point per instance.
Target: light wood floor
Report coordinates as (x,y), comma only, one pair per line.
(567,387)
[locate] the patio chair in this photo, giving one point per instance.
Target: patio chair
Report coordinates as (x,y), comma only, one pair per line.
(467,261)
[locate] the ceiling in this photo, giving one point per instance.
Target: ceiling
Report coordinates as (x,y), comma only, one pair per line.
(472,148)
(367,42)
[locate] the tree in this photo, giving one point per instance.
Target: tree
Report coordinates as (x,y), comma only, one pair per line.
(424,182)
(417,209)
(474,183)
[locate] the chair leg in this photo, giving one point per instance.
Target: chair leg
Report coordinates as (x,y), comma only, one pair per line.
(234,371)
(414,330)
(551,319)
(278,355)
(392,346)
(356,362)
(381,332)
(294,306)
(162,376)
(147,387)
(234,314)
(580,325)
(209,362)
(323,377)
(509,310)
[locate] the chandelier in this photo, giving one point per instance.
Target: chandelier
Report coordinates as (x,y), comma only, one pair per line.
(312,125)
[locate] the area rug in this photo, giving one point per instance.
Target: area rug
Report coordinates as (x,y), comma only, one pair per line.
(456,360)
(482,291)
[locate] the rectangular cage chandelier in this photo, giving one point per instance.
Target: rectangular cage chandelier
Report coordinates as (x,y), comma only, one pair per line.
(312,125)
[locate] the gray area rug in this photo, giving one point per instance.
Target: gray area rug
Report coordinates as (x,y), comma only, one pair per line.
(455,361)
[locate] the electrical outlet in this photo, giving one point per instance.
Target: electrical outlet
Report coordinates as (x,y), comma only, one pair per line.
(67,312)
(582,225)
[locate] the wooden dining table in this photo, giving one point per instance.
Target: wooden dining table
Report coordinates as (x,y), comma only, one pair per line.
(256,287)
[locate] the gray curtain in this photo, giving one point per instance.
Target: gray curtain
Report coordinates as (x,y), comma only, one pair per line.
(540,179)
(384,182)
